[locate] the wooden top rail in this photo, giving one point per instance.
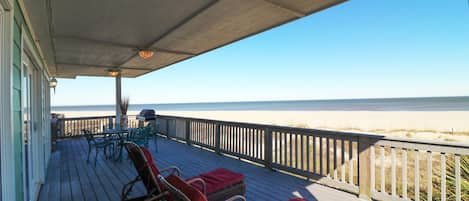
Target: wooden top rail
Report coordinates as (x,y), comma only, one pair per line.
(274,128)
(85,118)
(444,147)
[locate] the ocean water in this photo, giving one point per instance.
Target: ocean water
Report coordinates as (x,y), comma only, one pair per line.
(382,104)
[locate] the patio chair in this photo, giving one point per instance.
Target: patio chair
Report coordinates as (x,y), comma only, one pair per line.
(219,184)
(97,144)
(140,136)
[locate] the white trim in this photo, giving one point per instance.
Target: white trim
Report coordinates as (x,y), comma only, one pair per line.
(6,120)
(37,171)
(33,34)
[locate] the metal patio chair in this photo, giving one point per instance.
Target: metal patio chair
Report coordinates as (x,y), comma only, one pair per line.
(101,143)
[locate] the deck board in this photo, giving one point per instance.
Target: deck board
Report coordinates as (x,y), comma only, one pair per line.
(70,177)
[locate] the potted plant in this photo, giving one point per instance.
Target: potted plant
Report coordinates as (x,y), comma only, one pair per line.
(124,118)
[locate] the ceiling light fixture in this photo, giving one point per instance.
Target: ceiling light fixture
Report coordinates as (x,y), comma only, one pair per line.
(145,54)
(53,83)
(114,72)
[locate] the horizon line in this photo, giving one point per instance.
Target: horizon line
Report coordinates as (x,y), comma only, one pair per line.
(293,100)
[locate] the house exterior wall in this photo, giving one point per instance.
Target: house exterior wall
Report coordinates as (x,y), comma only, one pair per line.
(16,103)
(16,42)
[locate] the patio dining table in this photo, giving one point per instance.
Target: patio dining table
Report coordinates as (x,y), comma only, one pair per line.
(120,135)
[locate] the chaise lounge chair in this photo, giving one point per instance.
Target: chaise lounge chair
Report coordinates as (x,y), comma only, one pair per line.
(182,190)
(217,185)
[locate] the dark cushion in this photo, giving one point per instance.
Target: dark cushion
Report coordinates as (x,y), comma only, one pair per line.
(191,192)
(218,179)
(298,199)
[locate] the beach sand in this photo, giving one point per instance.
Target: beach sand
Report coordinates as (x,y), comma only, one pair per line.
(431,125)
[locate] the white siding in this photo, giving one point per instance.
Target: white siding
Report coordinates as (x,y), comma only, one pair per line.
(6,137)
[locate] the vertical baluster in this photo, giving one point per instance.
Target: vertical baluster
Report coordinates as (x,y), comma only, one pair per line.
(232,144)
(301,153)
(457,175)
(259,142)
(236,139)
(263,142)
(242,138)
(280,137)
(201,132)
(372,168)
(212,134)
(314,155)
(256,144)
(251,139)
(205,133)
(227,137)
(335,158)
(291,149)
(429,176)
(239,134)
(246,144)
(196,131)
(275,137)
(296,150)
(382,175)
(404,173)
(342,160)
(307,154)
(246,141)
(320,156)
(443,177)
(416,175)
(226,131)
(393,171)
(328,161)
(350,147)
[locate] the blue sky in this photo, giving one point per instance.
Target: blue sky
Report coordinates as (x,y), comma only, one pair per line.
(359,49)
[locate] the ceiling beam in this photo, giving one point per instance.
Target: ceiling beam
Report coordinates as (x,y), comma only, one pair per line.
(172,29)
(283,7)
(120,45)
(102,66)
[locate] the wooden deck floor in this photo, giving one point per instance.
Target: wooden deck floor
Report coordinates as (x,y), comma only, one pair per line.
(70,178)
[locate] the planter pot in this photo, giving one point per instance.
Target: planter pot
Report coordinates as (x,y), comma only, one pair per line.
(124,122)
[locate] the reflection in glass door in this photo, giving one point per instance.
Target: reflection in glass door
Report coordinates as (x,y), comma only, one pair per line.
(27,129)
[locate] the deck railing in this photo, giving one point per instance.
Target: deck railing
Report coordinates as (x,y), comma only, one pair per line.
(371,166)
(72,127)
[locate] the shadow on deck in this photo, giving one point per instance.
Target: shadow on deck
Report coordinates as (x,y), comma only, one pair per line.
(70,177)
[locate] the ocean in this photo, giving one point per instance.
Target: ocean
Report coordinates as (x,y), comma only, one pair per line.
(378,104)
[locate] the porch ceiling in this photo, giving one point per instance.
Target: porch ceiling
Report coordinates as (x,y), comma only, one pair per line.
(88,37)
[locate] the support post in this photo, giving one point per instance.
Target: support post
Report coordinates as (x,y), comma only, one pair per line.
(118,100)
(364,167)
(217,139)
(110,124)
(268,148)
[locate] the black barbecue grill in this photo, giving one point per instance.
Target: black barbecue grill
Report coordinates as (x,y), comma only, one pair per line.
(146,115)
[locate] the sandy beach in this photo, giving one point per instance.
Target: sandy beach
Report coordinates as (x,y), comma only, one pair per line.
(431,125)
